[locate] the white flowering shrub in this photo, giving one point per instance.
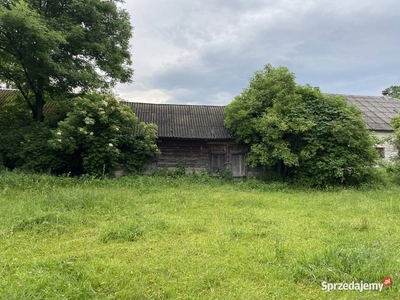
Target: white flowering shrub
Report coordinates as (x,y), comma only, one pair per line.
(99,134)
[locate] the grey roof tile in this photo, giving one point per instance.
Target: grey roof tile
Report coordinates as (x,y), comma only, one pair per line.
(207,122)
(50,108)
(377,110)
(184,121)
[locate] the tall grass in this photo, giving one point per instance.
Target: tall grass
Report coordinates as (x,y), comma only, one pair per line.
(145,237)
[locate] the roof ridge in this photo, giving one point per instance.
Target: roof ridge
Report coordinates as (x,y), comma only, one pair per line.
(6,89)
(170,104)
(369,96)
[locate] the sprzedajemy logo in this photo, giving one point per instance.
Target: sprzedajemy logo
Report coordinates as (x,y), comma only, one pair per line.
(356,286)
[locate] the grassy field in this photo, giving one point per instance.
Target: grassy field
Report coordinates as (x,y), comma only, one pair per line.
(185,238)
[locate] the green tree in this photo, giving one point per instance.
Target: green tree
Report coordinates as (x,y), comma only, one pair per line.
(49,49)
(99,134)
(24,142)
(310,136)
(394,91)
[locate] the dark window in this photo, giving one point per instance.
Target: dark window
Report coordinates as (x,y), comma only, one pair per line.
(381,151)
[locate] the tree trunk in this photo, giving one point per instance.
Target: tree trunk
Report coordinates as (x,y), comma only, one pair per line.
(39,103)
(38,108)
(279,167)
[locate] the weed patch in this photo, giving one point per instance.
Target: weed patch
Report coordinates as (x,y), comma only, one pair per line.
(132,231)
(344,263)
(42,223)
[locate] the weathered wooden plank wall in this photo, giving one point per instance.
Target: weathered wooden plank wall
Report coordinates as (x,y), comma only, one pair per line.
(214,156)
(194,155)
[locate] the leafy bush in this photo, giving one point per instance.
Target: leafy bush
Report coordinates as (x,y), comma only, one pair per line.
(394,172)
(23,142)
(394,169)
(13,117)
(316,139)
(99,134)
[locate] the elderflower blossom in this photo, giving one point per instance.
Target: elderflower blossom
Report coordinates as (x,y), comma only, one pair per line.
(58,132)
(111,145)
(89,121)
(83,130)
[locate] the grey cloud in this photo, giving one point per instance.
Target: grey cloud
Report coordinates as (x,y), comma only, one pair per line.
(341,46)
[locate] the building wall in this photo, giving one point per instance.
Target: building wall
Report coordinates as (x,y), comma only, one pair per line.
(194,155)
(219,156)
(197,155)
(389,150)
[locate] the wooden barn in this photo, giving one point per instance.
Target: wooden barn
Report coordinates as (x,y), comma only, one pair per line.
(193,136)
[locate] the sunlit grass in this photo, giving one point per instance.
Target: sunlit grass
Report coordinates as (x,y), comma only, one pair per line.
(185,238)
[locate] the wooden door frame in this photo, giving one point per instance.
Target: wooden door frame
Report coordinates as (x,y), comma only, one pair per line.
(228,152)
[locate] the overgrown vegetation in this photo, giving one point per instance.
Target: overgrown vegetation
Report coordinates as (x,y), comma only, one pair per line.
(97,135)
(64,52)
(24,143)
(306,135)
(146,237)
(394,168)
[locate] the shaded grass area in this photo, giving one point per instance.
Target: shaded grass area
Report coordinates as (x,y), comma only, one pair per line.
(192,238)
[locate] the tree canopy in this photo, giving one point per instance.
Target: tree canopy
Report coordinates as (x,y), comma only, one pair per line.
(50,49)
(394,91)
(308,135)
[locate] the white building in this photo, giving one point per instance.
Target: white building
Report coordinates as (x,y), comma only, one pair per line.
(377,113)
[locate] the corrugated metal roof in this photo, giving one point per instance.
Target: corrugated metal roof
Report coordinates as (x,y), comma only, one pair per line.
(5,93)
(377,110)
(207,122)
(49,109)
(184,121)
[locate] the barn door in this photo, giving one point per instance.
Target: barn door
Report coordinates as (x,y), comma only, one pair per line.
(224,157)
(218,158)
(218,163)
(237,165)
(236,159)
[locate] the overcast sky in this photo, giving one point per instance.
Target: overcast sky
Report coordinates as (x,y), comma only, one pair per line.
(205,51)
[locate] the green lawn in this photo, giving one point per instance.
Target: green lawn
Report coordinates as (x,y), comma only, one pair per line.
(185,238)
